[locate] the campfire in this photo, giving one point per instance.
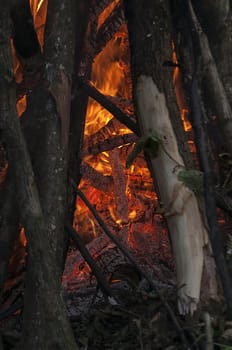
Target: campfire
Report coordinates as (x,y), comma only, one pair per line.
(121,155)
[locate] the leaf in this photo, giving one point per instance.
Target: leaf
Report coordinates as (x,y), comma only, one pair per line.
(149,143)
(193,179)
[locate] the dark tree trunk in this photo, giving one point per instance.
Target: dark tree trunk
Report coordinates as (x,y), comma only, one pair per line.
(41,190)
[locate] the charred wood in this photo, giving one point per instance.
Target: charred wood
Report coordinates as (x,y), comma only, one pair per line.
(111,128)
(101,182)
(97,7)
(137,267)
(104,101)
(124,104)
(90,261)
(109,144)
(108,29)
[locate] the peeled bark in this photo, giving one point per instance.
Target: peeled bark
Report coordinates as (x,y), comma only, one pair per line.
(151,45)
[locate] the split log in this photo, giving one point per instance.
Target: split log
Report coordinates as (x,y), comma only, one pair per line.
(156,108)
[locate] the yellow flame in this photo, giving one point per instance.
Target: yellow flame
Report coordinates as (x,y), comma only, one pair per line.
(39,13)
(132,214)
(107,77)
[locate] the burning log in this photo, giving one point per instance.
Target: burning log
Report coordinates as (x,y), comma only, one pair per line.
(153,94)
(108,29)
(86,255)
(119,187)
(140,270)
(99,181)
(122,103)
(109,144)
(106,103)
(99,6)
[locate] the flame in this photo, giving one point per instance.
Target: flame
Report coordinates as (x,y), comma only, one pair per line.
(106,12)
(177,81)
(107,77)
(22,237)
(39,14)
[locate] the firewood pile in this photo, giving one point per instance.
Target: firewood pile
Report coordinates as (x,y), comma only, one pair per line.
(124,198)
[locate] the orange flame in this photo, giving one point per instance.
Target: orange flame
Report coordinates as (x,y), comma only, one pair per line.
(39,13)
(107,12)
(180,93)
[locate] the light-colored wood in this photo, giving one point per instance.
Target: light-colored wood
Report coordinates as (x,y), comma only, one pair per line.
(187,231)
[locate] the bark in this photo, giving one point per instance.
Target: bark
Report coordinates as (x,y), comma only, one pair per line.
(8,224)
(151,46)
(213,88)
(45,323)
(82,65)
(24,36)
(216,20)
(84,53)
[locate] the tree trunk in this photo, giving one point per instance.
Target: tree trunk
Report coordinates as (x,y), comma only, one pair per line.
(45,322)
(214,41)
(150,36)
